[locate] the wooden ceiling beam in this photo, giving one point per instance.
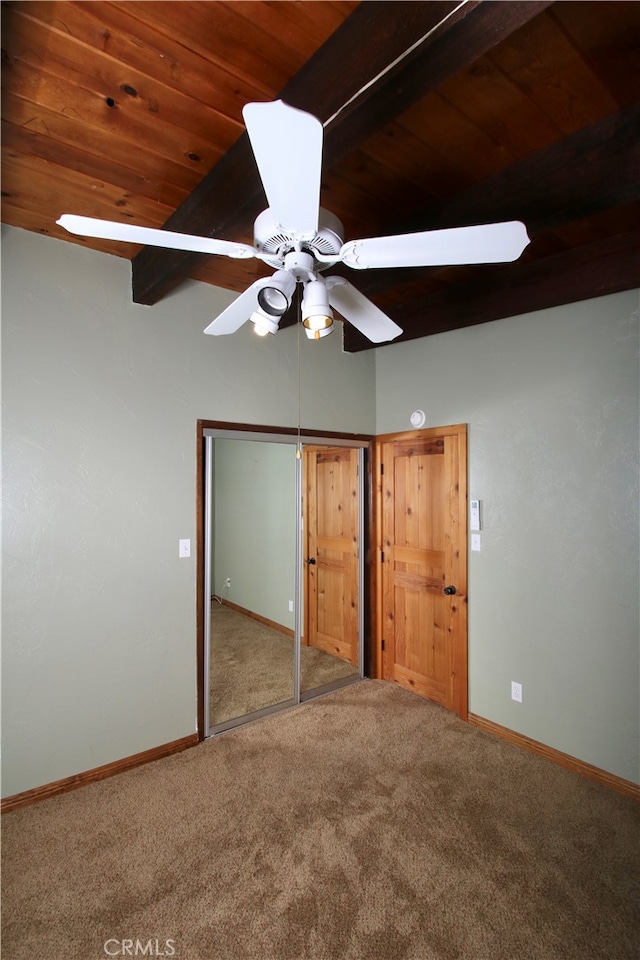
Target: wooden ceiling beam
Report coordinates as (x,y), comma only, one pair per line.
(589,171)
(448,51)
(373,37)
(602,267)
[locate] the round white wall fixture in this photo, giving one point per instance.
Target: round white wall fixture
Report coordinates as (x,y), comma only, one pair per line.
(417,418)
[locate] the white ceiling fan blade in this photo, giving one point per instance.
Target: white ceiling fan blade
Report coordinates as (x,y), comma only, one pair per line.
(238,311)
(360,311)
(483,243)
(287,145)
(149,236)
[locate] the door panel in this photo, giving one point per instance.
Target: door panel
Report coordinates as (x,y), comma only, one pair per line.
(331,541)
(423,550)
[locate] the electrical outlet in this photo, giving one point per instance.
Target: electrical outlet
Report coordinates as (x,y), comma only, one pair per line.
(516,691)
(227,582)
(290,606)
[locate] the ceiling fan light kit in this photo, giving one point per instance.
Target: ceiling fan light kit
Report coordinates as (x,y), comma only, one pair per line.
(263,324)
(318,334)
(301,239)
(275,299)
(317,316)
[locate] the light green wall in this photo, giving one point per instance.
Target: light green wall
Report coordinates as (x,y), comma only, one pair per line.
(255,525)
(100,402)
(551,400)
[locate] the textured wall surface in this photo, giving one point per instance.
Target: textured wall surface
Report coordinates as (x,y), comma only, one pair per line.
(101,398)
(551,400)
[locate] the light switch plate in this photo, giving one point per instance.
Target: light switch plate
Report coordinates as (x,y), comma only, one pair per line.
(184,548)
(475,542)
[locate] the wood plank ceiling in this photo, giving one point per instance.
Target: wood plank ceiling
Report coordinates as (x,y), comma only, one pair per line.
(444,114)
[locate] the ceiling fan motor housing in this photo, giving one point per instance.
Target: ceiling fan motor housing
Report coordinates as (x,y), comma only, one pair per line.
(275,242)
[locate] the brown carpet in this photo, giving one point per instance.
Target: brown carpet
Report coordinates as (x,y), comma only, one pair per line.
(252,665)
(366,824)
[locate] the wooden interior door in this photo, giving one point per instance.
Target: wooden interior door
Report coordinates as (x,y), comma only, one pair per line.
(423,556)
(331,550)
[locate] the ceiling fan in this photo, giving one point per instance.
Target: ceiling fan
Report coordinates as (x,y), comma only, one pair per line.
(301,239)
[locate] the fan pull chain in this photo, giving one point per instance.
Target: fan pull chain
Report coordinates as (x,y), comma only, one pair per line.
(298,451)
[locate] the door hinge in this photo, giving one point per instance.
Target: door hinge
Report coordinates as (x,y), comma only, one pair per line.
(382,556)
(383,646)
(382,469)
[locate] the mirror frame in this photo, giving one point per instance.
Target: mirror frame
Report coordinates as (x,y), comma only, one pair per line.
(366,442)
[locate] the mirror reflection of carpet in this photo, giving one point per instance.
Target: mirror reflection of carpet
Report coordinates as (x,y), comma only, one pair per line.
(252,665)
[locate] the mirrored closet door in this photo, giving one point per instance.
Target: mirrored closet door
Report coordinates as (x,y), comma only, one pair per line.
(283,572)
(252,563)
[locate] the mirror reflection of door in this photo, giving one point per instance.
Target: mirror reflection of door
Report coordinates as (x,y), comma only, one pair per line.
(253,579)
(331,565)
